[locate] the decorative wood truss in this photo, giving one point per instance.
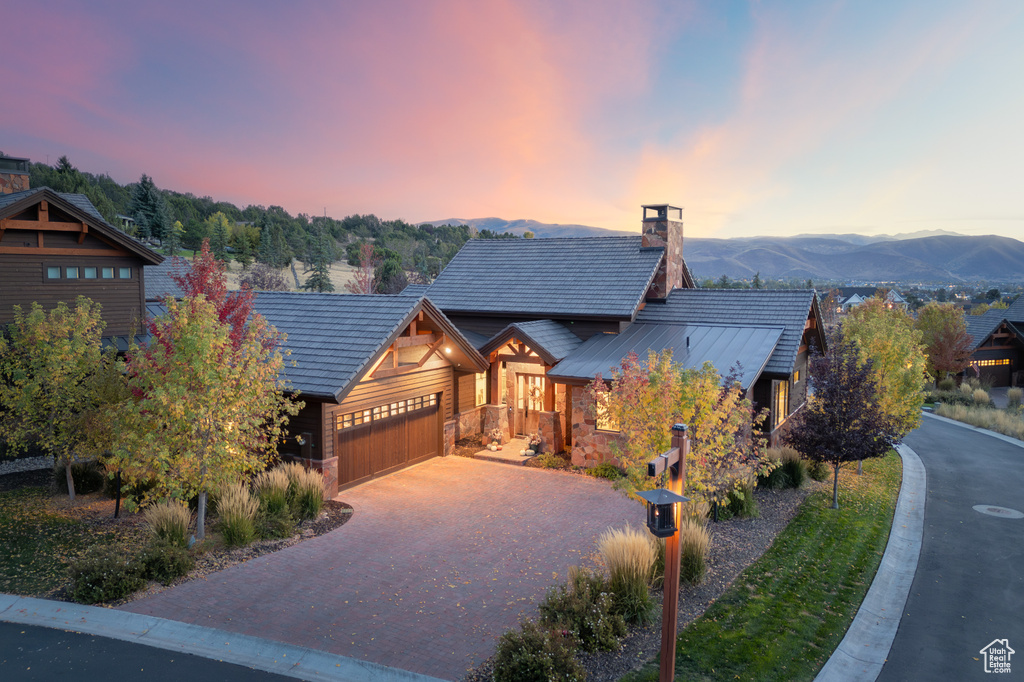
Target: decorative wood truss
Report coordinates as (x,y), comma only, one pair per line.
(388,365)
(42,225)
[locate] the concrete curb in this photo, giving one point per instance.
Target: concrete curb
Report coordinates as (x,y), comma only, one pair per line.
(1002,437)
(862,653)
(253,652)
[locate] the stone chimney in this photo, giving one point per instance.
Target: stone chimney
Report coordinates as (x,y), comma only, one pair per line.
(663,227)
(13,174)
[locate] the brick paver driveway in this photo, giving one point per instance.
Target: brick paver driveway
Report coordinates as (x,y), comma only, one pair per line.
(437,561)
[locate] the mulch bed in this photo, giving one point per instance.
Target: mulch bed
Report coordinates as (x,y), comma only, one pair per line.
(97,512)
(735,544)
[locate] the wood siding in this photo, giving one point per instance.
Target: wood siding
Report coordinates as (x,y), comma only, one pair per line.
(23,280)
(465,391)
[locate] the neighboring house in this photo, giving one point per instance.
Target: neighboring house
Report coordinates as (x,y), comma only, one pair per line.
(55,247)
(851,297)
(997,350)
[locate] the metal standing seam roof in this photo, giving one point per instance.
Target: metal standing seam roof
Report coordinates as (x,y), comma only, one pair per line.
(980,327)
(587,276)
(773,307)
(692,345)
(547,338)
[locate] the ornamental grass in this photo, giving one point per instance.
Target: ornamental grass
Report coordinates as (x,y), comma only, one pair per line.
(694,543)
(237,510)
(272,489)
(1014,398)
(169,520)
(989,418)
(629,557)
(309,494)
(980,396)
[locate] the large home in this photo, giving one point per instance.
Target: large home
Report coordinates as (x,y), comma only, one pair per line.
(55,247)
(997,348)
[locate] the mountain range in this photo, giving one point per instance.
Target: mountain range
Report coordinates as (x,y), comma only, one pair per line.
(931,256)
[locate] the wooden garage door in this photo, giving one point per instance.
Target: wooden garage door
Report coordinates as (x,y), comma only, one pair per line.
(386,438)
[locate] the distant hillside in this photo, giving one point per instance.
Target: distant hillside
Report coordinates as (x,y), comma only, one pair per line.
(540,230)
(926,256)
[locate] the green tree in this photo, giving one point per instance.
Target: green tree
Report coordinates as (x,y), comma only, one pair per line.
(206,410)
(887,337)
(219,229)
(757,280)
(723,282)
(644,400)
(45,378)
(983,308)
(172,241)
(528,235)
(149,209)
(945,338)
(321,256)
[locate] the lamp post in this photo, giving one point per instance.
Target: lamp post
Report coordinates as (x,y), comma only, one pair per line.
(663,518)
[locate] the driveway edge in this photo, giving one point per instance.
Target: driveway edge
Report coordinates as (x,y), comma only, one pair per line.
(972,427)
(862,653)
(252,652)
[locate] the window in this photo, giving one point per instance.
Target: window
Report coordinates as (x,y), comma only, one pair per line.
(347,421)
(796,377)
(108,273)
(124,273)
(71,272)
(605,420)
(53,272)
(89,273)
(780,407)
(992,363)
(481,389)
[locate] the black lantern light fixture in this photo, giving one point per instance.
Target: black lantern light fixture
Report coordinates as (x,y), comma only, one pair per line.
(661,512)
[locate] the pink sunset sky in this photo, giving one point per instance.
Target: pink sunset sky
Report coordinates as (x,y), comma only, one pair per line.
(757,118)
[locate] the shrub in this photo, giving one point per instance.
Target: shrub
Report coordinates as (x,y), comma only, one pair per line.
(605,470)
(583,607)
(308,498)
(536,654)
(237,511)
(272,489)
(967,389)
(742,503)
(88,476)
(103,574)
(819,471)
(169,520)
(630,558)
(947,384)
(163,561)
(694,542)
(276,526)
(980,396)
(1014,398)
(790,470)
(550,460)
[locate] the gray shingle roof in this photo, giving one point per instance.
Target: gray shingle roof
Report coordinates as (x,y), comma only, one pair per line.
(692,345)
(417,289)
(980,327)
(788,308)
(547,338)
(159,284)
(332,336)
(1015,313)
(594,277)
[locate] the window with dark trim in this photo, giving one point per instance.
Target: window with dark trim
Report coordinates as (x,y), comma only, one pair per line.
(353,419)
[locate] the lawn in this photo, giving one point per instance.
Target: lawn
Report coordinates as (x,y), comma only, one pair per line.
(40,534)
(786,613)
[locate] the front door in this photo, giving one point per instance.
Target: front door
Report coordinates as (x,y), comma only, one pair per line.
(529,402)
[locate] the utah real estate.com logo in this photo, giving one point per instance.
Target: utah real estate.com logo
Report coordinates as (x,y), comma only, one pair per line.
(997,656)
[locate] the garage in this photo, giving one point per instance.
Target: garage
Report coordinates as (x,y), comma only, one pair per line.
(385,438)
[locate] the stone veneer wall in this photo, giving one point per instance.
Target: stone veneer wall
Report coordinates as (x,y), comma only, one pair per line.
(669,235)
(469,423)
(590,446)
(552,438)
(450,427)
(13,182)
(495,415)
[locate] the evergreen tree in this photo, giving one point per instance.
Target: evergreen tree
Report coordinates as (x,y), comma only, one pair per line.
(266,254)
(320,259)
(757,279)
(149,209)
(220,232)
(172,241)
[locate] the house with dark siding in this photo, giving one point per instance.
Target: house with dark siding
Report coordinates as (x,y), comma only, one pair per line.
(997,345)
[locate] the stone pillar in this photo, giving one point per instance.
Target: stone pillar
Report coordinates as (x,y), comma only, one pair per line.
(550,427)
(449,436)
(329,468)
(495,416)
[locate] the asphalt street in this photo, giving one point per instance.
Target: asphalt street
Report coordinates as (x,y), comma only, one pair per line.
(969,587)
(29,652)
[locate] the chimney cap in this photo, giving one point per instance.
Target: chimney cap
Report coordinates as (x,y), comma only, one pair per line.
(661,212)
